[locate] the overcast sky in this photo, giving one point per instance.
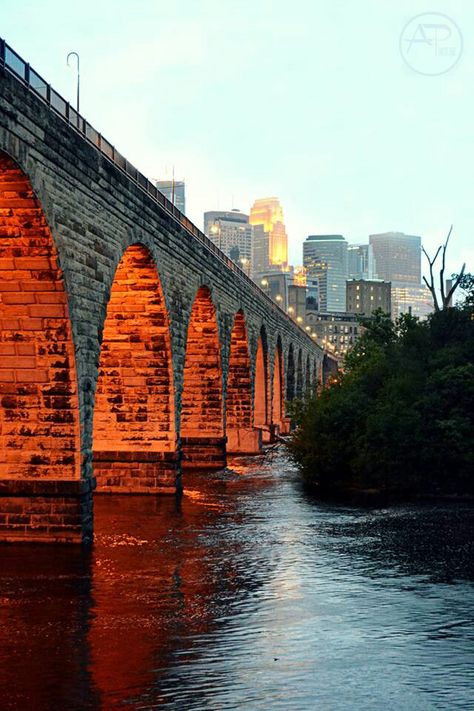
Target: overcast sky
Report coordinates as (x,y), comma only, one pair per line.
(308,100)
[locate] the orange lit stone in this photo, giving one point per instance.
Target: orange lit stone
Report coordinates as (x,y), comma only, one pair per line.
(278,405)
(242,436)
(261,383)
(202,425)
(134,424)
(39,412)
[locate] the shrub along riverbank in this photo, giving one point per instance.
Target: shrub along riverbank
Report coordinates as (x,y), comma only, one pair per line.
(399,421)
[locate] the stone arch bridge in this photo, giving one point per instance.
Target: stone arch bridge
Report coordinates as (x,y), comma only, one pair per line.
(131,348)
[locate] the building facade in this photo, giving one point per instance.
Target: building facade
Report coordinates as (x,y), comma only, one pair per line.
(297,303)
(325,259)
(397,257)
(359,261)
(276,284)
(270,241)
(365,297)
(174,191)
(414,300)
(232,233)
(335,331)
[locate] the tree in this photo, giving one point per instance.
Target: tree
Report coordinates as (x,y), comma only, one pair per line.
(445,297)
(399,419)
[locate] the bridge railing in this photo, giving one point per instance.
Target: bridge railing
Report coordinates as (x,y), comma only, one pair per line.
(21,70)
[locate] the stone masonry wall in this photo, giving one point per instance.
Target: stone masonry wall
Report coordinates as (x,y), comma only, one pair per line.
(95,212)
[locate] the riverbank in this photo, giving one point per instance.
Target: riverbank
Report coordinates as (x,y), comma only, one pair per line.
(353,496)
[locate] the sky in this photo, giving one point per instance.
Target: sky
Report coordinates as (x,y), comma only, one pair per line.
(311,101)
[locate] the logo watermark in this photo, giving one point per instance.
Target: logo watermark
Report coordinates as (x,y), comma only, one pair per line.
(431,43)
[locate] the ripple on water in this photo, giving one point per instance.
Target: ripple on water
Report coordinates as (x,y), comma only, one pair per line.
(244,594)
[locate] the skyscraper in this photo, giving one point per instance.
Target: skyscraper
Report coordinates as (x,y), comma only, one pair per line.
(359,261)
(174,190)
(397,257)
(325,258)
(232,233)
(270,241)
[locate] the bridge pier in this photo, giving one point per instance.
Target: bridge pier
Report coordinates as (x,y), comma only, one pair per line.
(46,511)
(203,452)
(285,426)
(247,440)
(136,472)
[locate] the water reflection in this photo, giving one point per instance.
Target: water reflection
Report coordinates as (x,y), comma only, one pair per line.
(243,594)
(45,608)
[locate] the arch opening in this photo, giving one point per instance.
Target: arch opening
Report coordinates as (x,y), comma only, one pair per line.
(134,417)
(39,404)
(242,436)
(299,375)
(202,422)
(308,380)
(278,399)
(290,375)
(261,387)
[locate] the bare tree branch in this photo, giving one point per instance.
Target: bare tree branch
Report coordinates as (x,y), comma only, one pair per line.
(455,285)
(433,293)
(431,285)
(445,298)
(443,266)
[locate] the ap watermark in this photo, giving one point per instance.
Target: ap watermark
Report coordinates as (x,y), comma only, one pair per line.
(431,43)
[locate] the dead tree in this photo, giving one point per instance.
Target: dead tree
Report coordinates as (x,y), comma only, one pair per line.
(445,297)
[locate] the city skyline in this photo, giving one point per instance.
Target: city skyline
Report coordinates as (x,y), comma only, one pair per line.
(400,160)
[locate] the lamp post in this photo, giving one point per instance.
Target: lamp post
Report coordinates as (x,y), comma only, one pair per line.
(216,230)
(245,265)
(75,54)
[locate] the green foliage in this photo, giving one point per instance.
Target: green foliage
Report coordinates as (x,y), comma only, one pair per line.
(400,418)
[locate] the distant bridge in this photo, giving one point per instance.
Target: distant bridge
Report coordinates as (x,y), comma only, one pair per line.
(131,347)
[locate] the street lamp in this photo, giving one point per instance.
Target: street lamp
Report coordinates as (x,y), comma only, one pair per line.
(75,54)
(245,265)
(216,230)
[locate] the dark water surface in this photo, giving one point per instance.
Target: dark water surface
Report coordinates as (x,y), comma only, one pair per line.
(245,595)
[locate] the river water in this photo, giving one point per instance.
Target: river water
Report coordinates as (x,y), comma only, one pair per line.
(244,594)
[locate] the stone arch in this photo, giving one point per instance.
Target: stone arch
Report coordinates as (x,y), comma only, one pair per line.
(39,407)
(260,398)
(278,399)
(134,436)
(316,379)
(241,435)
(202,419)
(299,375)
(308,388)
(290,375)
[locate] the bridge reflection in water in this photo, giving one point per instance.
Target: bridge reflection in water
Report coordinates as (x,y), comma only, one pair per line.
(243,594)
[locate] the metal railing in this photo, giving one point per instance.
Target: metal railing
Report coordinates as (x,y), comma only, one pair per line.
(21,70)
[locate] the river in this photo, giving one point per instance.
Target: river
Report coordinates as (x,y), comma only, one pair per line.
(244,594)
